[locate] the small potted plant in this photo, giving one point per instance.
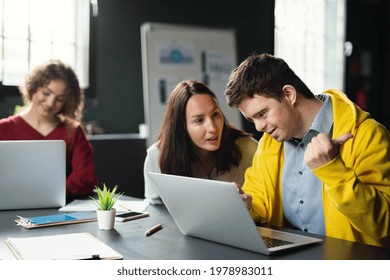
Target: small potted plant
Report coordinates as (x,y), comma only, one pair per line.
(105,206)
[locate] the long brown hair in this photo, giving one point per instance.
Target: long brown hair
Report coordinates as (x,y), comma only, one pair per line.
(176,148)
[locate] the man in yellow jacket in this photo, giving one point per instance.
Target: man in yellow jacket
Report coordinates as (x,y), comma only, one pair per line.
(322,165)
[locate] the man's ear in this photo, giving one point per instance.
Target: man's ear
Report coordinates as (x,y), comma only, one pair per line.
(290,94)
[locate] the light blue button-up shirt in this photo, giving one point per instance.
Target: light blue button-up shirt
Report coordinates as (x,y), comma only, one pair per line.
(301,189)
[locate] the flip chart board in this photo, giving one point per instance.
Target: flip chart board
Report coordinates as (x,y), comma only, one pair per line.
(173,53)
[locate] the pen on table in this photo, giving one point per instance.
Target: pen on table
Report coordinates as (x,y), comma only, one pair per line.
(124,207)
(153,229)
(93,257)
(83,257)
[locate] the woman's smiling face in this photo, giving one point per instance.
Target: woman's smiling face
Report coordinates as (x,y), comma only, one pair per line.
(49,100)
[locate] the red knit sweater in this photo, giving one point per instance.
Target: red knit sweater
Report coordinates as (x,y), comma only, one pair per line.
(80,167)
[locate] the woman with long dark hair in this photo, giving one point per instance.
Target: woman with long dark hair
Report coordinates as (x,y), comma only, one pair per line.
(196,140)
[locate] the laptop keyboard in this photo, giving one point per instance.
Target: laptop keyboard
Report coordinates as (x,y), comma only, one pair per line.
(274,242)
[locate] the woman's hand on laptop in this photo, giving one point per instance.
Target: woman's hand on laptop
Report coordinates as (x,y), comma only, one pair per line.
(247,198)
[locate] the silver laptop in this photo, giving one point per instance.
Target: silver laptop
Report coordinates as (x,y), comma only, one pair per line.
(213,210)
(32,174)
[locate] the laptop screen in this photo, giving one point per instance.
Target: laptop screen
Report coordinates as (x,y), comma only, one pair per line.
(32,174)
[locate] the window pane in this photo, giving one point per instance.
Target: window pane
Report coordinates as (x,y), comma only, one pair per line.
(37,30)
(40,51)
(15,61)
(1,15)
(64,23)
(308,35)
(41,19)
(1,61)
(16,19)
(67,53)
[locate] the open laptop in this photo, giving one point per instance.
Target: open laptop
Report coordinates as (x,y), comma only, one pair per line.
(213,210)
(32,174)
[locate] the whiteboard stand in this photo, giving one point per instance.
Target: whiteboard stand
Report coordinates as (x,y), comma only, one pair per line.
(173,53)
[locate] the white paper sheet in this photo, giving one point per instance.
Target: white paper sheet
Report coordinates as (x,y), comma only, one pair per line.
(120,205)
(62,247)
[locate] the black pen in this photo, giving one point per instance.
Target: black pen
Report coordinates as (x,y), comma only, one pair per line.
(93,257)
(83,257)
(153,230)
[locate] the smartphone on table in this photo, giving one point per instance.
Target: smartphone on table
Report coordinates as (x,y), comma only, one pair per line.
(132,215)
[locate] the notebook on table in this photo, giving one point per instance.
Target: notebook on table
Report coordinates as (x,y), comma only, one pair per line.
(213,210)
(73,246)
(32,174)
(56,219)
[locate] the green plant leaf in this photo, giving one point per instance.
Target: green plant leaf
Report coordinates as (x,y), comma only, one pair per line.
(106,197)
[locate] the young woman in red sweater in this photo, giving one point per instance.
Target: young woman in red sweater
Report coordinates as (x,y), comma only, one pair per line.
(53,112)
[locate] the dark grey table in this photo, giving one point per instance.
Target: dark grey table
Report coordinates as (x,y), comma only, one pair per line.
(169,244)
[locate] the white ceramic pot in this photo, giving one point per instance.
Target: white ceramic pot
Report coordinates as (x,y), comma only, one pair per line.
(106,218)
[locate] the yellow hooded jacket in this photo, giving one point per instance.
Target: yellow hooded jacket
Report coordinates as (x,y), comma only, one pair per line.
(356,184)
